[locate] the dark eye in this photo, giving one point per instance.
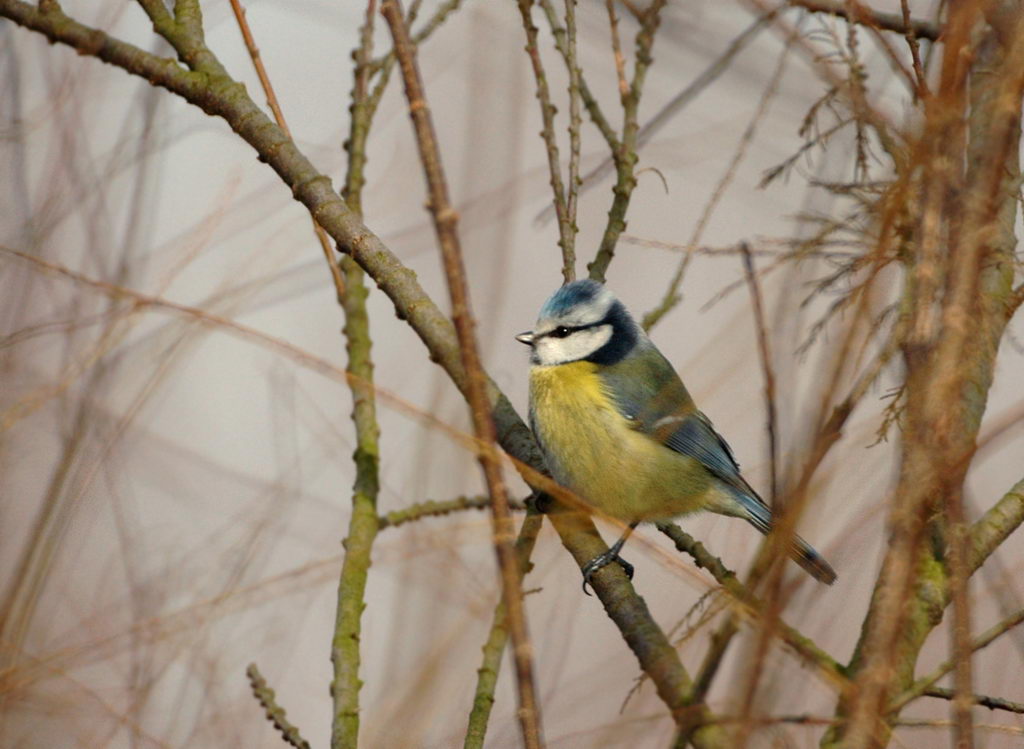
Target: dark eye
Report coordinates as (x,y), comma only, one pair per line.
(560,332)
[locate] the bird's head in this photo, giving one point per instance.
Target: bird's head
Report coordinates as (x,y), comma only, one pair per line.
(582,320)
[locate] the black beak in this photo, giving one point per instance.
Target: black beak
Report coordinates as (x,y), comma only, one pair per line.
(526,338)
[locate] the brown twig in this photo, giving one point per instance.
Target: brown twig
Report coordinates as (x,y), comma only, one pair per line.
(446,228)
(566,237)
(678,102)
(910,35)
(672,295)
(767,370)
(590,102)
(620,59)
(275,108)
(926,682)
(856,11)
(494,648)
(573,179)
(626,155)
(992,703)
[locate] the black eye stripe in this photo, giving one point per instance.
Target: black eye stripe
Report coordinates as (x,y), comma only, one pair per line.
(563,331)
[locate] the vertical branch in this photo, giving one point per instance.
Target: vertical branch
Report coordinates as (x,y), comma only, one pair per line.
(959,574)
(626,156)
(589,101)
(910,34)
(494,648)
(445,226)
(766,367)
(566,236)
(351,294)
(962,276)
(572,193)
(363,523)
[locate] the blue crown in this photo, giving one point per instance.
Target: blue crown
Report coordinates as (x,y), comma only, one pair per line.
(570,296)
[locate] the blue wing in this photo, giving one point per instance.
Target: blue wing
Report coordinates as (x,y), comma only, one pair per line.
(647,391)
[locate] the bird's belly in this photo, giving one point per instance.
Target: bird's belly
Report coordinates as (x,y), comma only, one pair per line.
(592,450)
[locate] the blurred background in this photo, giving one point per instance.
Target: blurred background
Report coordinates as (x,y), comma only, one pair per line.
(173,496)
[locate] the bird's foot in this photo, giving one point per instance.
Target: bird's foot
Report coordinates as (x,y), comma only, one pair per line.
(600,561)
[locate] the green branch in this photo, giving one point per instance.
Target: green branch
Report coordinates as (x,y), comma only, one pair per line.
(274,712)
(497,639)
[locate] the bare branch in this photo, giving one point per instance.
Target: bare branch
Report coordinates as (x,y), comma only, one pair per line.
(1002,519)
(437,508)
(986,638)
(767,370)
(446,228)
(566,235)
(494,648)
(626,156)
(992,703)
(862,14)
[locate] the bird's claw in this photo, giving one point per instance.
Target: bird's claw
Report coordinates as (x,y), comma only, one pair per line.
(600,561)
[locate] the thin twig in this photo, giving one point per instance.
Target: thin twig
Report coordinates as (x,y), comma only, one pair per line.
(923,684)
(446,228)
(675,105)
(275,107)
(626,155)
(620,59)
(275,713)
(589,100)
(752,606)
(573,179)
(910,35)
(441,14)
(761,328)
(992,703)
(672,296)
(861,14)
(497,638)
(436,508)
(566,238)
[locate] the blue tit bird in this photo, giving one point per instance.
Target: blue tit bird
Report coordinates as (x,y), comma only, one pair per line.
(618,427)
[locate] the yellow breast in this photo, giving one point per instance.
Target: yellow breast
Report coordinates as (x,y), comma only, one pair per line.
(593,450)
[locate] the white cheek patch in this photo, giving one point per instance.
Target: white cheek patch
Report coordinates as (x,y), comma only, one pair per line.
(578,345)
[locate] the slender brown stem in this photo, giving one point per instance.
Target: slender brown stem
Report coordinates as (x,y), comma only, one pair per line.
(446,228)
(275,108)
(986,638)
(992,703)
(494,648)
(573,178)
(767,369)
(626,155)
(566,235)
(859,13)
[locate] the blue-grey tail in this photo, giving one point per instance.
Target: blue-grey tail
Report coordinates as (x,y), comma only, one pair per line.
(759,515)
